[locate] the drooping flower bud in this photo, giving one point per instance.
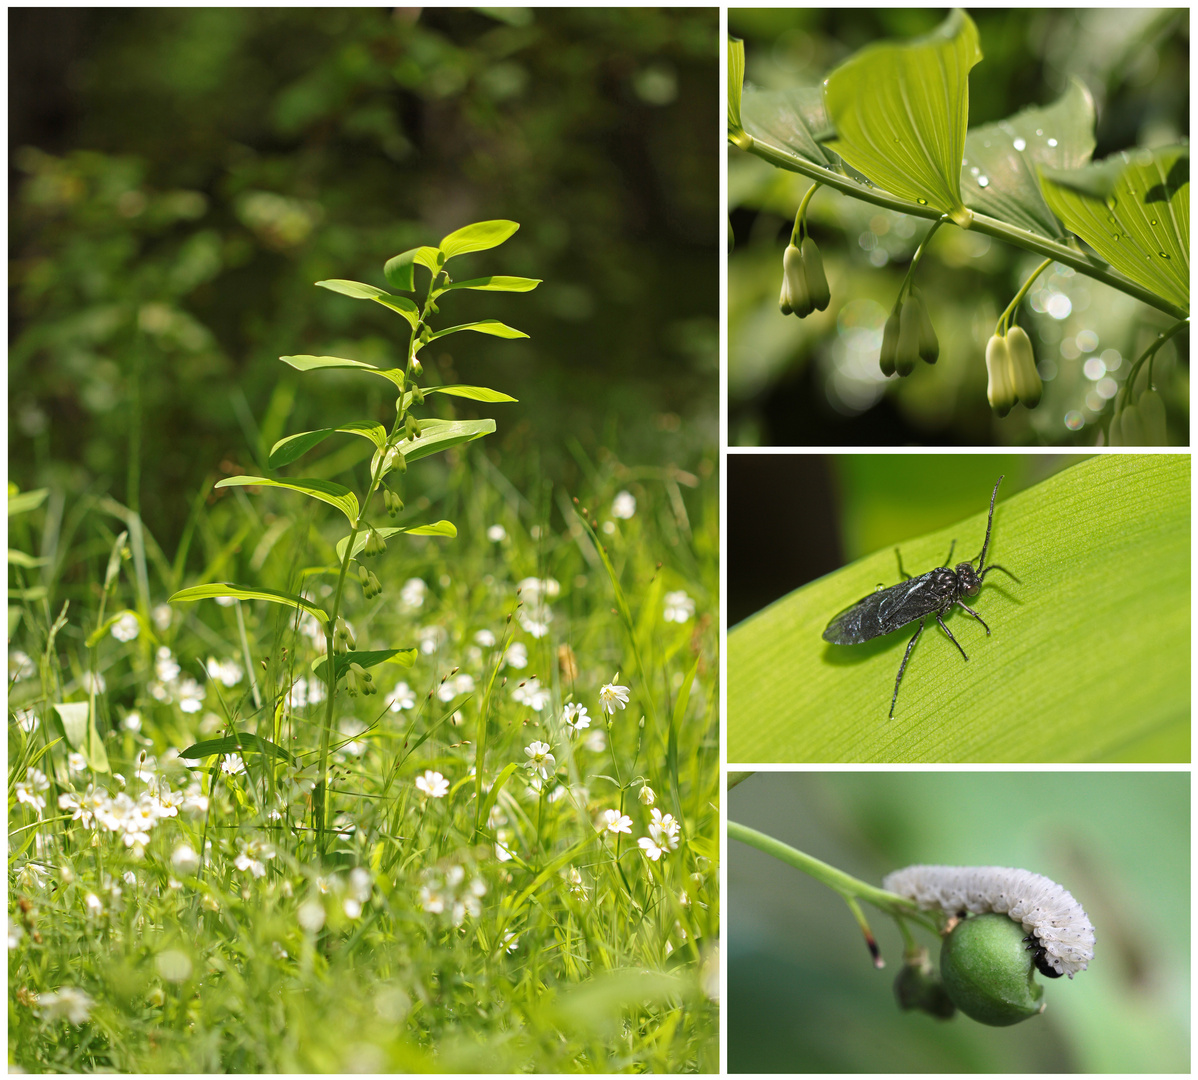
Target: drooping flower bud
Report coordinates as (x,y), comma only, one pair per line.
(371,586)
(1131,426)
(1152,418)
(890,337)
(813,271)
(412,426)
(375,544)
(794,298)
(417,394)
(929,344)
(417,367)
(343,636)
(392,502)
(908,342)
(1025,379)
(988,971)
(999,391)
(358,679)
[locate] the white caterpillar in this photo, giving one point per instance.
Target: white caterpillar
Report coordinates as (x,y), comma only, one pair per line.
(1061,936)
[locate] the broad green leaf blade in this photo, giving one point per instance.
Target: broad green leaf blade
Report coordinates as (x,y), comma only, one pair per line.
(1088,658)
(319,363)
(293,447)
(999,173)
(497,283)
(793,120)
(900,112)
(324,490)
(79,724)
(26,501)
(437,528)
(240,742)
(477,237)
(474,393)
(402,657)
(736,82)
(438,435)
(1134,210)
(400,269)
(484,326)
(223,589)
(360,291)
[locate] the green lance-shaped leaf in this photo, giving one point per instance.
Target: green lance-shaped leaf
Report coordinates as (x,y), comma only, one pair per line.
(402,657)
(79,725)
(736,82)
(25,501)
(1134,210)
(240,742)
(320,363)
(436,528)
(325,490)
(794,120)
(400,270)
(474,393)
(999,175)
(359,291)
(293,447)
(221,590)
(484,326)
(438,435)
(496,283)
(900,112)
(477,237)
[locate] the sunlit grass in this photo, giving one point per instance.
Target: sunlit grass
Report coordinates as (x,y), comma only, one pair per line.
(513,884)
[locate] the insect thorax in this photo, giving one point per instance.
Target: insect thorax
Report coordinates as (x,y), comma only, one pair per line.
(968,579)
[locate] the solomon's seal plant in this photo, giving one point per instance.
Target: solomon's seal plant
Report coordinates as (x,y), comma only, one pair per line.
(889,126)
(405,440)
(997,927)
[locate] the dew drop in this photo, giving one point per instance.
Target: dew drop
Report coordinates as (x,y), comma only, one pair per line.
(1152,222)
(922,202)
(1114,236)
(1019,144)
(983,181)
(1039,131)
(1052,142)
(974,171)
(1111,218)
(1162,255)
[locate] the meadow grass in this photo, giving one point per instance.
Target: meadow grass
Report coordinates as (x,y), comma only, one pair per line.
(511,884)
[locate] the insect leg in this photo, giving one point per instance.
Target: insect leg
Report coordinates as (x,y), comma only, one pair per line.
(976,616)
(950,633)
(948,559)
(903,665)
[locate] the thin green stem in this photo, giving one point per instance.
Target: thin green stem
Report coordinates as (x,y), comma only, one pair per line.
(799,232)
(1148,356)
(1001,325)
(1090,265)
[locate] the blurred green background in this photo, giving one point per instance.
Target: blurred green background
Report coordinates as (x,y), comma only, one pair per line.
(803,995)
(815,381)
(181,176)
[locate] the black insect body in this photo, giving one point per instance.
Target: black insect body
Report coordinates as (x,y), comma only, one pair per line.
(933,593)
(1039,957)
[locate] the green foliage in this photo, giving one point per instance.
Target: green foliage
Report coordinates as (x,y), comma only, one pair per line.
(1102,554)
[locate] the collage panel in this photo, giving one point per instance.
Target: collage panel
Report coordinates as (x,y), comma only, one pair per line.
(968,229)
(849,949)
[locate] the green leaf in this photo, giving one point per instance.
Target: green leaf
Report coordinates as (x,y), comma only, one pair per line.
(900,112)
(360,291)
(475,393)
(240,742)
(793,120)
(319,363)
(26,562)
(1134,210)
(736,82)
(402,657)
(1103,553)
(324,490)
(477,237)
(438,435)
(484,326)
(496,283)
(438,528)
(238,592)
(1006,155)
(287,450)
(79,725)
(400,270)
(26,501)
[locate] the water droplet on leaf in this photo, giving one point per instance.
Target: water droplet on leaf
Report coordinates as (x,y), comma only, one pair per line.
(1052,142)
(1152,222)
(983,181)
(1019,144)
(1039,131)
(922,202)
(1162,255)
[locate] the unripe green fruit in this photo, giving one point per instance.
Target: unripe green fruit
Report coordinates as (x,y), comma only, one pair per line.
(988,971)
(813,271)
(918,986)
(908,342)
(1025,379)
(890,336)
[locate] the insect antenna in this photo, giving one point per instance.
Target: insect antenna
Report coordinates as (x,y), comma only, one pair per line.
(983,570)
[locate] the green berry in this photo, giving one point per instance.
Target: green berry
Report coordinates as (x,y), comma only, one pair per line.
(988,971)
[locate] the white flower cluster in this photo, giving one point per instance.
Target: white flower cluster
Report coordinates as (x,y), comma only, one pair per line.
(29,791)
(449,891)
(173,686)
(535,614)
(132,819)
(663,835)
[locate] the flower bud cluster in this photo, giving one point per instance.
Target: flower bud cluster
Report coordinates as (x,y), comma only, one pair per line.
(392,502)
(804,284)
(908,336)
(375,544)
(1141,423)
(358,679)
(1011,367)
(343,637)
(371,586)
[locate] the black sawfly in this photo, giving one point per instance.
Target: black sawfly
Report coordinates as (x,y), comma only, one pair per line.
(933,593)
